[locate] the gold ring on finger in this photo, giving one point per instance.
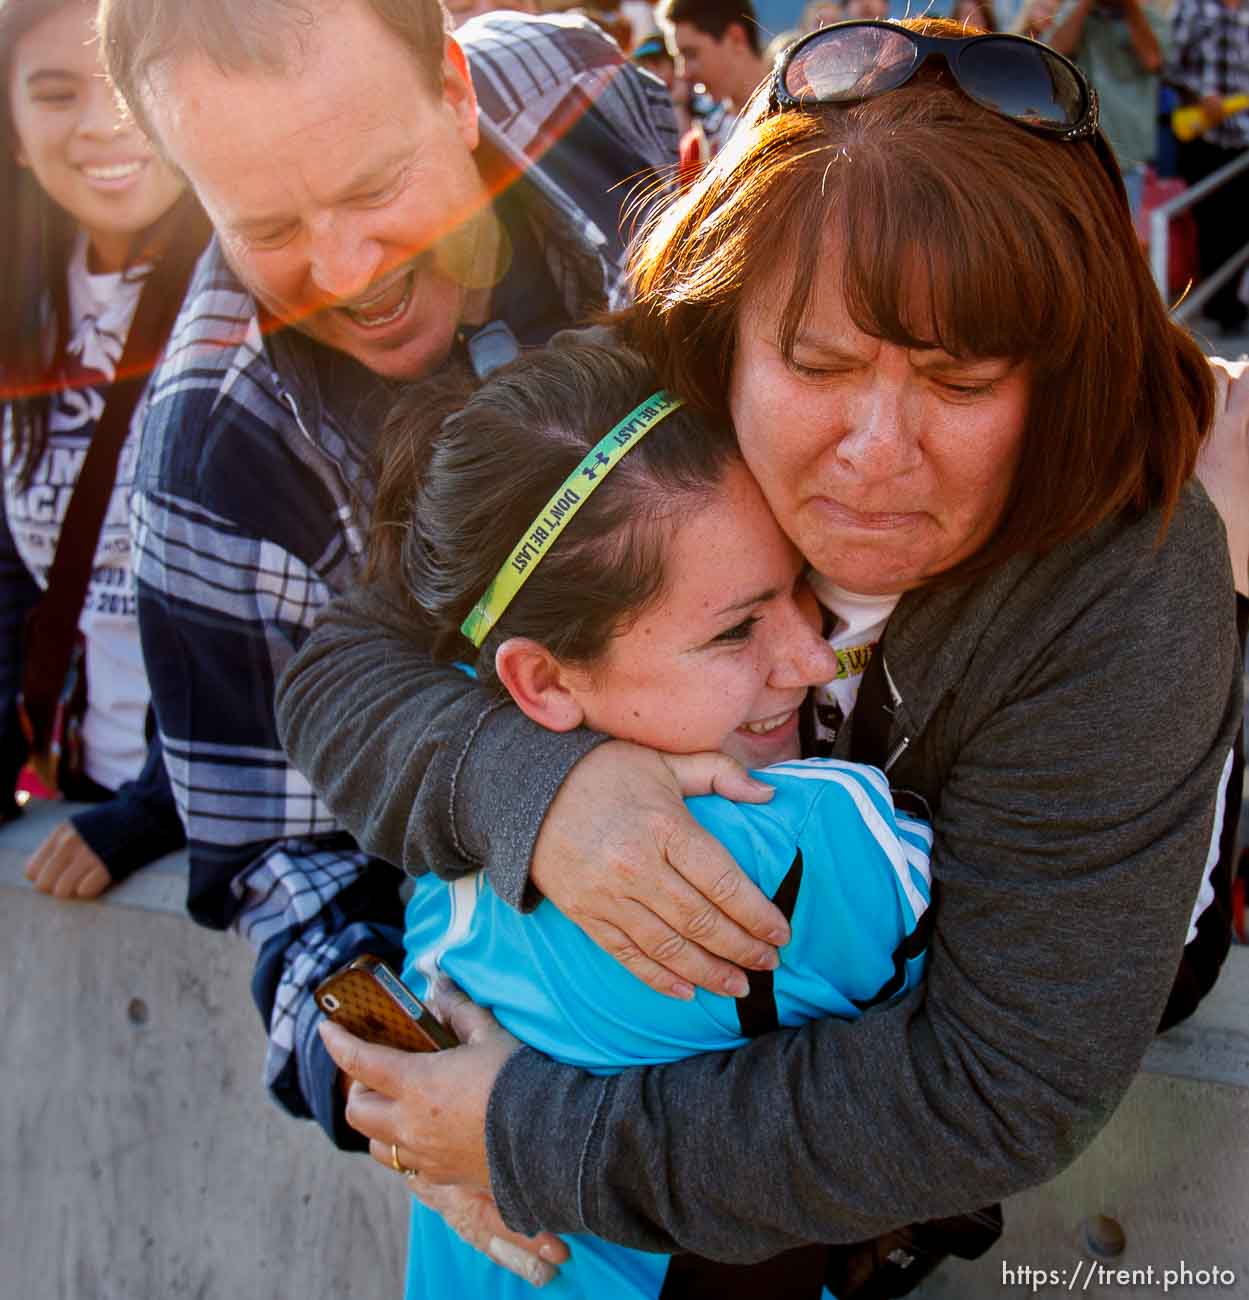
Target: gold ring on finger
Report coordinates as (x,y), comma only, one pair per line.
(397,1165)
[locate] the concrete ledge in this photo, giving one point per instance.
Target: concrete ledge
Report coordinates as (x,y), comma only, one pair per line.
(142,1159)
(160,887)
(1212,1046)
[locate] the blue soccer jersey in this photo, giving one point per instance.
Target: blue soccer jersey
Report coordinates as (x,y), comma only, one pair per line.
(849,870)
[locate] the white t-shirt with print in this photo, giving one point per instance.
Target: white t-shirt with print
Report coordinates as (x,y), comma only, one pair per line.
(858,622)
(101,309)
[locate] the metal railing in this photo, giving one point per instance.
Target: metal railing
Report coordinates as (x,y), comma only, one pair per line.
(1160,240)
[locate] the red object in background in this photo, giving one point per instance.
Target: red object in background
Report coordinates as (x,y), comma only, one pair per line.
(29,783)
(1238,909)
(1182,246)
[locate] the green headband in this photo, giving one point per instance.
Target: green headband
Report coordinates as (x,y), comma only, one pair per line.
(558,512)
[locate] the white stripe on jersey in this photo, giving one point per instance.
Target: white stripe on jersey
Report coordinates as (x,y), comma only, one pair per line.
(853,778)
(463,894)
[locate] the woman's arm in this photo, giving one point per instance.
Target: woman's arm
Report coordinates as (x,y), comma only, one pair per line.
(1071,840)
(1224,463)
(361,699)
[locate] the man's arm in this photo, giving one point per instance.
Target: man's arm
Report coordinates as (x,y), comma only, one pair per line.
(1068,29)
(1071,841)
(1141,32)
(219,612)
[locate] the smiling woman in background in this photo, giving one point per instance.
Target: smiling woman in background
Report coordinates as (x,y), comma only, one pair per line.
(97,242)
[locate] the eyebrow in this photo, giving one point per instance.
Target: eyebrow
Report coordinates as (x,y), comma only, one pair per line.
(942,362)
(364,181)
(926,358)
(375,175)
(826,347)
(759,598)
(50,74)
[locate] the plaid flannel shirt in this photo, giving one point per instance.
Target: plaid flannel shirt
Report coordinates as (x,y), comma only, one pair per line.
(1210,56)
(250,512)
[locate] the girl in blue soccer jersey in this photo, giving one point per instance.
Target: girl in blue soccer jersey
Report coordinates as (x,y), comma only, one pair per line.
(600,554)
(92,224)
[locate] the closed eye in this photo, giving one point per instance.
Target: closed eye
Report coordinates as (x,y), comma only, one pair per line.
(815,372)
(984,389)
(379,195)
(738,632)
(267,239)
(379,189)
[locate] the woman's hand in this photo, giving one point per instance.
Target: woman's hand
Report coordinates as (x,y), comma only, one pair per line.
(428,1111)
(470,1212)
(619,854)
(66,867)
(431,1105)
(1223,466)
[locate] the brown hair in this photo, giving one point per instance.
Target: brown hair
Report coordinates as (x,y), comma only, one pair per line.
(1014,245)
(465,473)
(36,242)
(714,17)
(243,36)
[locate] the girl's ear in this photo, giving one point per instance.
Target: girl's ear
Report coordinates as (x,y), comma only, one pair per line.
(534,678)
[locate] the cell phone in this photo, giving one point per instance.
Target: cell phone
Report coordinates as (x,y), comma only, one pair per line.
(369,1000)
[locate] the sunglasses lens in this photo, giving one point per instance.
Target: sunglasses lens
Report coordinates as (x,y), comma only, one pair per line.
(840,65)
(1023,82)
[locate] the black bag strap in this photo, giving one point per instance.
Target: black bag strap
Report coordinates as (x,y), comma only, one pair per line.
(52,626)
(872,717)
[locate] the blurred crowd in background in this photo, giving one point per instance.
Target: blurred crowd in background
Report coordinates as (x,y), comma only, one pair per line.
(1146,58)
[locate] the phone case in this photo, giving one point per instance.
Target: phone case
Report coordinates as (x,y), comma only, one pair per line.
(369,1000)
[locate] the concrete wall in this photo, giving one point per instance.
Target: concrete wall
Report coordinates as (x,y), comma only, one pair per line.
(141,1160)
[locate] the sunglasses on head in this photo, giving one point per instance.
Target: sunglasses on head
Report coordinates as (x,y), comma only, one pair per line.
(1012,76)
